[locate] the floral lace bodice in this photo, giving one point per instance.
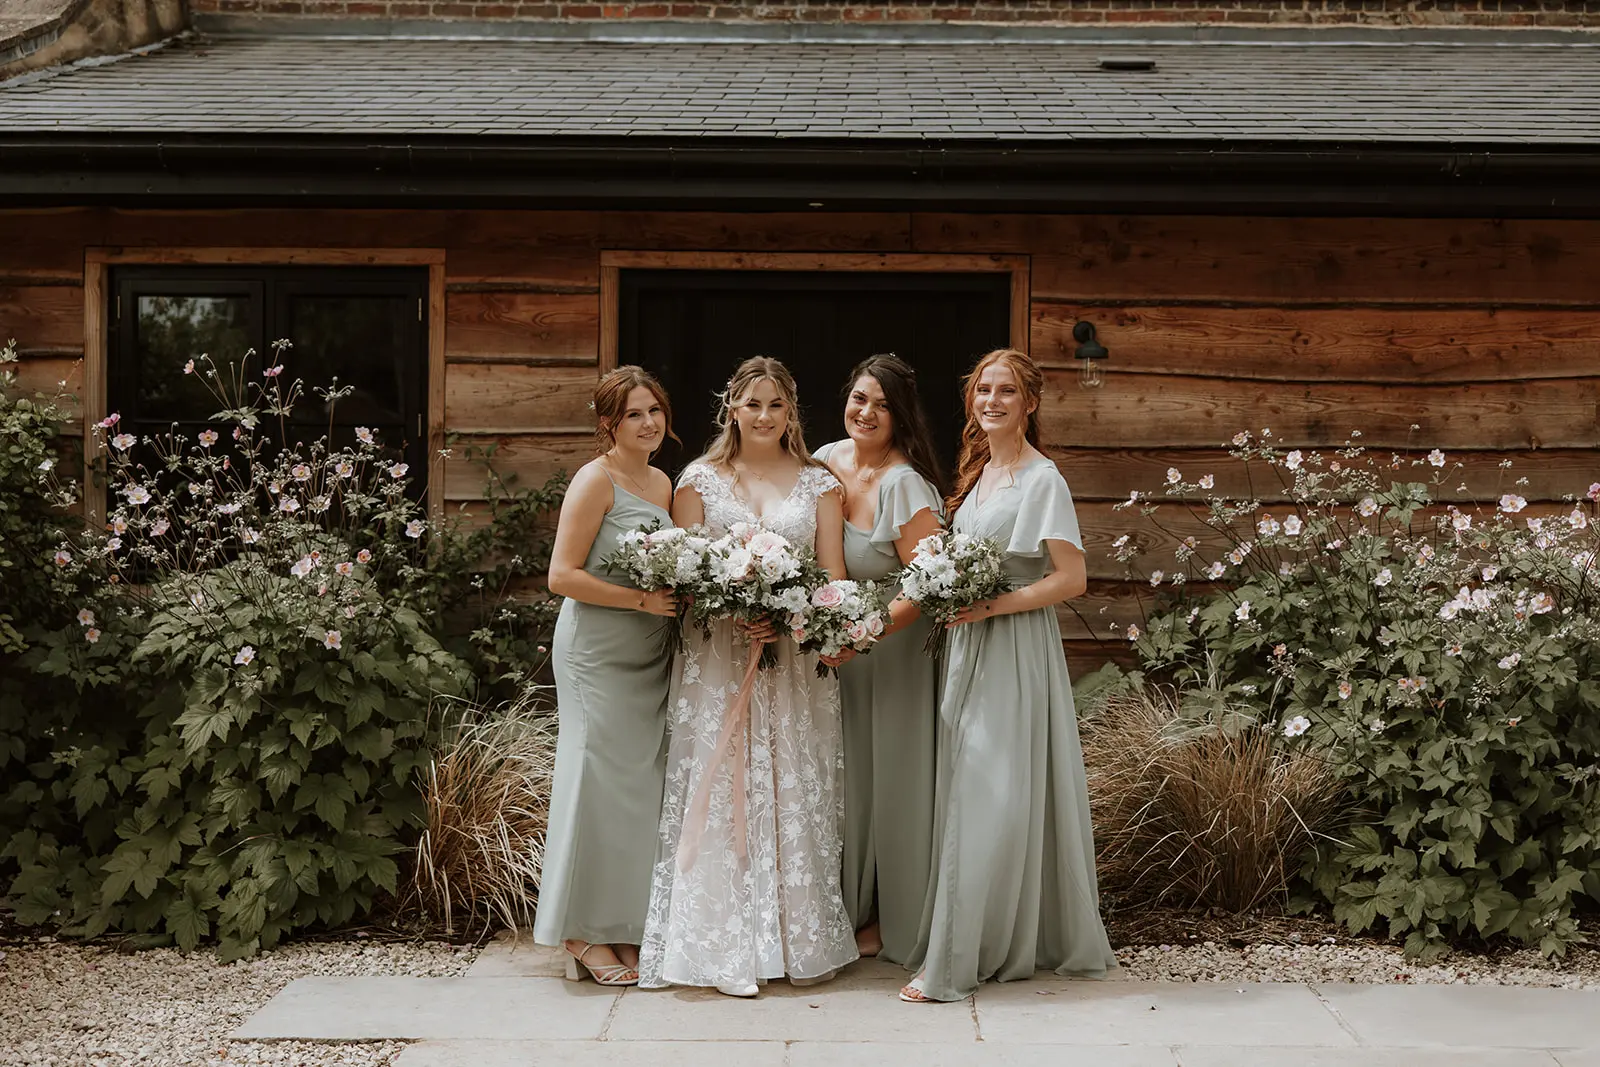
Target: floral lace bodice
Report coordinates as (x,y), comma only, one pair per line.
(794,519)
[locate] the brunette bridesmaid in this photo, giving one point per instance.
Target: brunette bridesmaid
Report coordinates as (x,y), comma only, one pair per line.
(891,481)
(1014,880)
(611,659)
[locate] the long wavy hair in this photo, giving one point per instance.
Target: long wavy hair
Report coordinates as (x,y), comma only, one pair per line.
(974,442)
(724,448)
(611,403)
(912,435)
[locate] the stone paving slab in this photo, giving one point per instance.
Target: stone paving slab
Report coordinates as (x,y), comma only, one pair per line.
(1469,1016)
(505,958)
(593,1054)
(1062,1011)
(1214,1056)
(350,1009)
(1589,1057)
(817,1054)
(862,1004)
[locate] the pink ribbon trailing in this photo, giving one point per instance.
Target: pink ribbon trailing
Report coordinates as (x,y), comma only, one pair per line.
(732,742)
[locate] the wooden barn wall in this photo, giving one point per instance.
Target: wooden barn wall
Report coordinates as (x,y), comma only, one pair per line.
(1482,333)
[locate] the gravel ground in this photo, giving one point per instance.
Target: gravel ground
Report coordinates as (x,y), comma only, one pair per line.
(70,1005)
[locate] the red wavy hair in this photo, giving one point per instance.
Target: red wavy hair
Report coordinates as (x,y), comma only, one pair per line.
(974,442)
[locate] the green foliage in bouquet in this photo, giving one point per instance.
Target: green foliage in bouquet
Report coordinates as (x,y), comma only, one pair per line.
(1442,658)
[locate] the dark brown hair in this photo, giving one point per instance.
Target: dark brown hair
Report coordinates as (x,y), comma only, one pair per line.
(974,442)
(611,402)
(912,437)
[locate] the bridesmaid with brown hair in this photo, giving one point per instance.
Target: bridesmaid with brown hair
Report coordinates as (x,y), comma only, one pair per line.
(1014,880)
(891,478)
(612,661)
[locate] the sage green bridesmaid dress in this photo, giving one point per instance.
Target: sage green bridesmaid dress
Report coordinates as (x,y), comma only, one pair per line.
(1014,875)
(612,669)
(890,709)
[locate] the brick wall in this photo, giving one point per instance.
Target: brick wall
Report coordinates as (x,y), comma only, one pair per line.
(1504,13)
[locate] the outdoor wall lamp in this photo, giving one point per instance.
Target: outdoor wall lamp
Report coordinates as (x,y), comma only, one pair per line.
(1091,352)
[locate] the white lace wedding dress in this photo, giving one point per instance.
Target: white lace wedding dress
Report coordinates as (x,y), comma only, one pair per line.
(720,914)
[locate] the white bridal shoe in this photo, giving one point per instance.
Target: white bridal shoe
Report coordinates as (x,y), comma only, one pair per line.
(738,989)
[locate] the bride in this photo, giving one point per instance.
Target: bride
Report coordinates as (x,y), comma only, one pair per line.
(747,887)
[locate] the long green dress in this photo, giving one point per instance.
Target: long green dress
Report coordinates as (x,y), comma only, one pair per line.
(890,709)
(612,669)
(1015,884)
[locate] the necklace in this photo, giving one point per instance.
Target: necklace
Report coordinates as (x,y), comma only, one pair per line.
(864,475)
(638,489)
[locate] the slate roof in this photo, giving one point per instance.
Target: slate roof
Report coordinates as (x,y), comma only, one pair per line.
(1483,94)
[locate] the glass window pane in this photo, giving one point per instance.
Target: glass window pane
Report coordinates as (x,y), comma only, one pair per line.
(170,331)
(368,343)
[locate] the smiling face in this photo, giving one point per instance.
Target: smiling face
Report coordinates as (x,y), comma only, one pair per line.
(643,423)
(762,415)
(999,404)
(866,415)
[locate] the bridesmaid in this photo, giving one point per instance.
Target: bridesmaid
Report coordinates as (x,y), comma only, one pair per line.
(891,480)
(611,661)
(1014,881)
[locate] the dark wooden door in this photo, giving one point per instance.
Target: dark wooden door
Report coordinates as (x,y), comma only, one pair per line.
(691,328)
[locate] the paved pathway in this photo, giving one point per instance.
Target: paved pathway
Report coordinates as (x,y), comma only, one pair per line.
(512,1009)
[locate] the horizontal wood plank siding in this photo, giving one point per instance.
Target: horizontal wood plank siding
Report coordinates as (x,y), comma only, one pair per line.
(1482,334)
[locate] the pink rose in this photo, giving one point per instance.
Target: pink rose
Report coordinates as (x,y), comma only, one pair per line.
(765,543)
(875,625)
(827,596)
(858,632)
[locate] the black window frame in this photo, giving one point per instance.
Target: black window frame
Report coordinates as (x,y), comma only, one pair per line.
(270,290)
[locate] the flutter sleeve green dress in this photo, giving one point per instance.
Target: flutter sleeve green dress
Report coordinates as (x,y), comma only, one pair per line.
(612,668)
(1014,874)
(890,708)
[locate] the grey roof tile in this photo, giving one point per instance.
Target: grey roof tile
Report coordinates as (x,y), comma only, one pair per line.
(1488,93)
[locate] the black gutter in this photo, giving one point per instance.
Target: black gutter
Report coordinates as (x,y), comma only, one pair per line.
(769,174)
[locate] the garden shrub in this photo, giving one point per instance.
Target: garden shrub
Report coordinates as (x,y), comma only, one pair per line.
(1441,657)
(257,648)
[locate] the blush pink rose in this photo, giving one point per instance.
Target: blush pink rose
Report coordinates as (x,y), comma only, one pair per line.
(828,596)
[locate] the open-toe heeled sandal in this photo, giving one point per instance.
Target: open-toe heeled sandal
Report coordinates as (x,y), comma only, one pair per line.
(912,995)
(612,974)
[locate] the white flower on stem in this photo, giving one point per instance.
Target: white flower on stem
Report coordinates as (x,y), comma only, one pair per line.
(288,504)
(1133,632)
(1242,612)
(363,556)
(415,528)
(1292,526)
(300,472)
(344,468)
(208,438)
(1453,648)
(349,611)
(1236,557)
(1241,438)
(1293,460)
(1296,726)
(1578,520)
(46,465)
(1594,491)
(1489,573)
(1266,431)
(1511,503)
(1377,726)
(273,371)
(62,557)
(243,657)
(364,435)
(1216,570)
(228,509)
(302,566)
(1414,684)
(1508,662)
(197,600)
(1436,458)
(249,536)
(124,441)
(1544,540)
(1450,609)
(114,543)
(1345,689)
(188,368)
(1536,524)
(1119,542)
(1542,604)
(109,421)
(85,617)
(398,471)
(1194,613)
(1156,576)
(1173,476)
(1285,569)
(1280,649)
(1367,508)
(346,569)
(136,494)
(1461,521)
(1424,554)
(119,525)
(1207,481)
(319,504)
(1133,497)
(92,635)
(331,639)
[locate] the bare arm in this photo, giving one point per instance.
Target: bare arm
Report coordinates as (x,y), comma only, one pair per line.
(925,523)
(1069,579)
(687,507)
(830,533)
(582,511)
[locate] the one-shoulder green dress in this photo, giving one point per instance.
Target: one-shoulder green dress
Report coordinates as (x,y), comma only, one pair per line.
(612,670)
(889,704)
(1014,871)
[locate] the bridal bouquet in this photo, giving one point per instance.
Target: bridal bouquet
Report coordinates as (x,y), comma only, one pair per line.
(949,572)
(662,557)
(750,573)
(840,615)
